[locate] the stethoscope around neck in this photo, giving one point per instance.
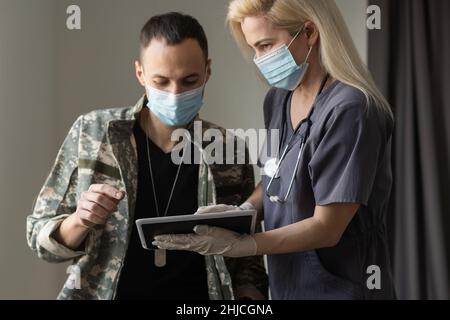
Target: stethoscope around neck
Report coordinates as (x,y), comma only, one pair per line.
(304,138)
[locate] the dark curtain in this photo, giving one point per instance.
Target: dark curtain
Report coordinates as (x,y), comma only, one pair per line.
(410,60)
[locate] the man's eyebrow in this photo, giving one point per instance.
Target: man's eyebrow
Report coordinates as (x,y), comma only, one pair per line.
(188,76)
(257,43)
(158,76)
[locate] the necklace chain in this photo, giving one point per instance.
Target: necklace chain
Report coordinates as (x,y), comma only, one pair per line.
(153,182)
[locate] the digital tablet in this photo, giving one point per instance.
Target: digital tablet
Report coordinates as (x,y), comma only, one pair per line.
(242,221)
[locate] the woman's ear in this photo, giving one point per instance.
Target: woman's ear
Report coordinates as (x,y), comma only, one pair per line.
(311,33)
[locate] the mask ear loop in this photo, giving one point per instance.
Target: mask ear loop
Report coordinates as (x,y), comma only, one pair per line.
(296,35)
(309,53)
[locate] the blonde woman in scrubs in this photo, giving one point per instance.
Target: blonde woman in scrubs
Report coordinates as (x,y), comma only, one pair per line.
(325,197)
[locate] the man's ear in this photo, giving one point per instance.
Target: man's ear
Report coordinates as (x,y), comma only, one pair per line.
(139,72)
(208,69)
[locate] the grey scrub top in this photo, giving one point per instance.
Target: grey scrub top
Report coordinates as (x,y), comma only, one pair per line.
(346,160)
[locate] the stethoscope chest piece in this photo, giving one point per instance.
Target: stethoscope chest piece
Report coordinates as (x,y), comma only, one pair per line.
(271,167)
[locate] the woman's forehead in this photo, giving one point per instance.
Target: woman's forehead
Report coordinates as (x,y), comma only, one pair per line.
(256,28)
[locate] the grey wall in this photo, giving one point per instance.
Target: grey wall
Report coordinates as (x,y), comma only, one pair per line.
(354,12)
(50,75)
(28,138)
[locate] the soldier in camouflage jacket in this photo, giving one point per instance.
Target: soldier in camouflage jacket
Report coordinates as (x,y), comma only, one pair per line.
(101,149)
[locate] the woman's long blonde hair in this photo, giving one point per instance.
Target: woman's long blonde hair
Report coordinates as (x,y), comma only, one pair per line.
(338,53)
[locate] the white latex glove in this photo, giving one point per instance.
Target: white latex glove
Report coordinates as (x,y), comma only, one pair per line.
(210,241)
(224,207)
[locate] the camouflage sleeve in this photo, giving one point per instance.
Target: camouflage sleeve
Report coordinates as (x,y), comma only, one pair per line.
(248,274)
(55,202)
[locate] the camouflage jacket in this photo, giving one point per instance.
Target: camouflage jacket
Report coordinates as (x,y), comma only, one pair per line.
(101,149)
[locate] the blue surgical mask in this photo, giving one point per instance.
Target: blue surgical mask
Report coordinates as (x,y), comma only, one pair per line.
(175,109)
(280,69)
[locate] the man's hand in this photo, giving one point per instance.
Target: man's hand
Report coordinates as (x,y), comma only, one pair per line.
(94,207)
(97,204)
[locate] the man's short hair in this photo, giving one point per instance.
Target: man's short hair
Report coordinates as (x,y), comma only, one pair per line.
(174,27)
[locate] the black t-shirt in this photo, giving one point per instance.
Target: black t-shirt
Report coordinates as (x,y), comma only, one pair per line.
(184,276)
